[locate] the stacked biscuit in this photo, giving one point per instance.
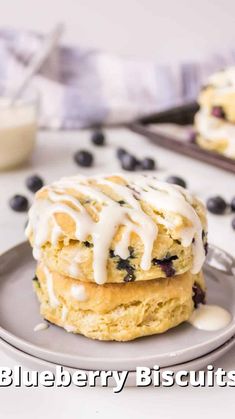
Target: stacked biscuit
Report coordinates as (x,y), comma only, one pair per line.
(215,121)
(118,256)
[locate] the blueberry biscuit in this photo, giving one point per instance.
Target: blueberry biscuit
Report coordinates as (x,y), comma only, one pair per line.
(119,312)
(215,134)
(117,229)
(119,257)
(218,96)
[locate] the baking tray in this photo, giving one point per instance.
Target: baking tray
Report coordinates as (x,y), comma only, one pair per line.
(180,115)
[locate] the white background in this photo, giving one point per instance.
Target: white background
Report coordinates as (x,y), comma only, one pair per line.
(162,30)
(165,31)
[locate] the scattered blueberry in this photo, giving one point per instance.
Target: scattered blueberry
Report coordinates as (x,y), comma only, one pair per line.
(216,205)
(217,112)
(198,295)
(121,152)
(19,203)
(83,158)
(98,138)
(176,180)
(34,183)
(233,223)
(233,204)
(129,162)
(147,164)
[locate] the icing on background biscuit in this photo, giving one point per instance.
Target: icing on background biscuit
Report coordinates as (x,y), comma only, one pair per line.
(214,130)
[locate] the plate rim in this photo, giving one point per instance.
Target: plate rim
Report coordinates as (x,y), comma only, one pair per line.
(21,343)
(225,347)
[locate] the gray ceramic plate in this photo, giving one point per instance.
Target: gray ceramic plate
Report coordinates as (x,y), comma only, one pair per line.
(38,364)
(19,313)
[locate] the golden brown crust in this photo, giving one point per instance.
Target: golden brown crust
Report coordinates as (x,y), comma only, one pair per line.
(118,311)
(218,146)
(59,257)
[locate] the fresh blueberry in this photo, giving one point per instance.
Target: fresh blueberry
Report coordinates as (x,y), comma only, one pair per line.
(83,158)
(233,223)
(176,180)
(129,277)
(129,162)
(233,204)
(198,295)
(19,203)
(217,112)
(34,183)
(98,138)
(166,264)
(216,205)
(147,164)
(121,152)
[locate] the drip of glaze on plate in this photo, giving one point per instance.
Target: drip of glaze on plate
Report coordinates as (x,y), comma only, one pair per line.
(160,195)
(40,326)
(210,318)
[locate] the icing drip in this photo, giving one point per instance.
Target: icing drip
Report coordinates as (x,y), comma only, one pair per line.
(224,80)
(64,313)
(53,301)
(40,326)
(210,318)
(176,200)
(69,328)
(78,292)
(74,270)
(130,215)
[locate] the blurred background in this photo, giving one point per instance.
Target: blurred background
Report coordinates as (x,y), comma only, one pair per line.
(115,62)
(150,29)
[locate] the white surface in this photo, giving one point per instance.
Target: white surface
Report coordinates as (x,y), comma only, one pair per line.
(52,159)
(162,30)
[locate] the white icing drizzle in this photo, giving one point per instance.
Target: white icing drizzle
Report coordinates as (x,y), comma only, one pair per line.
(53,301)
(161,196)
(69,328)
(64,313)
(36,253)
(174,199)
(74,270)
(210,318)
(78,292)
(224,80)
(56,233)
(40,326)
